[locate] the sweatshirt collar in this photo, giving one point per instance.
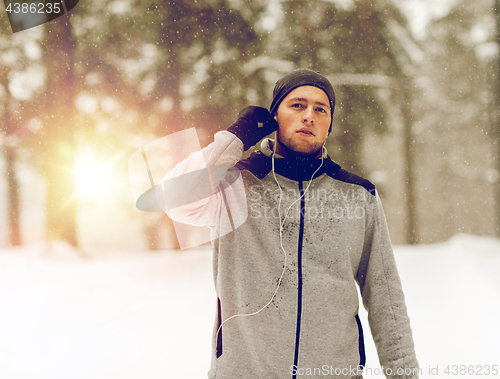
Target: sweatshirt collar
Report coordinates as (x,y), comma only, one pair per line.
(298,167)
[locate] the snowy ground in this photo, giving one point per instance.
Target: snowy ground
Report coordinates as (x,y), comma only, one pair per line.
(130,315)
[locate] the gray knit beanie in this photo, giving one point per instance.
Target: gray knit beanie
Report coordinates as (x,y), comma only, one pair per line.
(298,78)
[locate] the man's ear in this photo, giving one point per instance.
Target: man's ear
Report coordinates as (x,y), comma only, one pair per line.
(331,127)
(275,116)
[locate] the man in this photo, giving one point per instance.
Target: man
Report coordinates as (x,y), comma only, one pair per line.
(292,233)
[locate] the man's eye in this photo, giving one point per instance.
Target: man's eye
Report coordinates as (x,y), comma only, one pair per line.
(322,110)
(297,105)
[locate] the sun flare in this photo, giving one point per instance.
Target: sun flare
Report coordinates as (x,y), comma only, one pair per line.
(92,178)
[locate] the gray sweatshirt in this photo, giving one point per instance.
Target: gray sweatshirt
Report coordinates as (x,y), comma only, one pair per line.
(294,289)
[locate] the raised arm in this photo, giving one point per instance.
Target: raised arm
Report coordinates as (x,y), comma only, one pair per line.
(197,190)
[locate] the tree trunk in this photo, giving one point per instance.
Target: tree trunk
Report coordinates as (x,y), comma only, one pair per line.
(13,197)
(351,148)
(12,183)
(58,146)
(349,138)
(411,217)
(495,132)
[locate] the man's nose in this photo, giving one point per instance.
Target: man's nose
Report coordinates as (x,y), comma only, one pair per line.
(308,115)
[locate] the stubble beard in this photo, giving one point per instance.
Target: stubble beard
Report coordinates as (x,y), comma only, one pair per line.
(288,149)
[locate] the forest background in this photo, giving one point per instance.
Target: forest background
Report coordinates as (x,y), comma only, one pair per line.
(417,89)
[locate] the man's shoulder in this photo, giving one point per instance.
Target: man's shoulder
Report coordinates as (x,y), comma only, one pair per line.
(345,176)
(260,165)
(257,163)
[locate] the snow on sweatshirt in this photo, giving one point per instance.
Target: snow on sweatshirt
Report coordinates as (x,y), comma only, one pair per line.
(333,238)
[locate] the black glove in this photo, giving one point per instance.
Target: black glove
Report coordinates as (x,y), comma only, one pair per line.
(247,127)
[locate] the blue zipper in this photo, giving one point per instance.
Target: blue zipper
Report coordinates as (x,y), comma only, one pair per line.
(299,288)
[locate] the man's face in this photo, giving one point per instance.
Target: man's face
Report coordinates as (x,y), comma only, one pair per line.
(304,119)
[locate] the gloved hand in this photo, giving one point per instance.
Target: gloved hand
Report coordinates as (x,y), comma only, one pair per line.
(247,127)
